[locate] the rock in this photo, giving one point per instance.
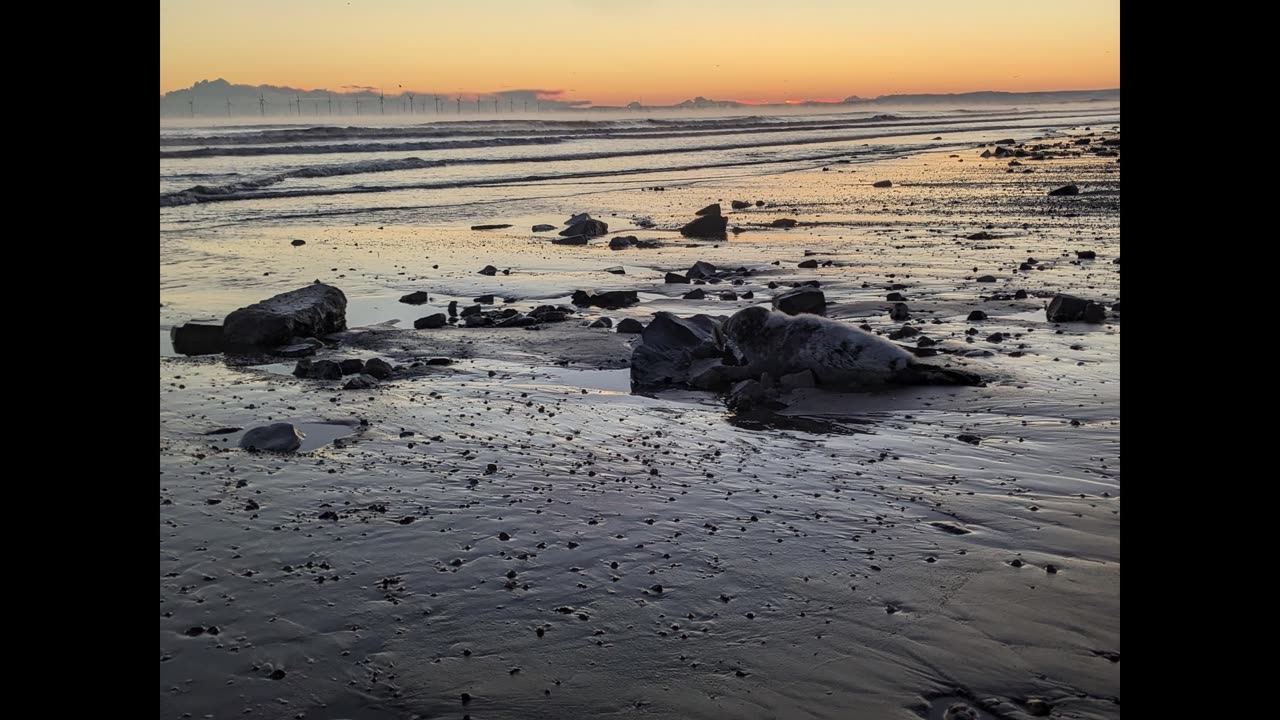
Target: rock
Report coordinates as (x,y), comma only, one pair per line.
(440,361)
(295,350)
(783,223)
(603,322)
(489,270)
(728,296)
(543,228)
(196,338)
(491,227)
(673,349)
(1020,295)
(580,217)
(701,270)
(801,300)
(746,395)
(380,369)
(971,439)
(895,297)
(1066,190)
(748,295)
(354,366)
(986,278)
(712,210)
(1086,255)
(430,322)
(695,294)
(416,298)
(519,320)
(984,235)
(905,331)
(1068,308)
(486,299)
(318,370)
(277,437)
(740,204)
(477,320)
(298,243)
(588,228)
(315,310)
(707,226)
(362,381)
(995,337)
(882,184)
(808,264)
(1038,707)
(611,300)
(899,312)
(630,326)
(673,278)
(621,243)
(470,310)
(453,308)
(1115,307)
(976,315)
(616,270)
(802,379)
(575,240)
(961,711)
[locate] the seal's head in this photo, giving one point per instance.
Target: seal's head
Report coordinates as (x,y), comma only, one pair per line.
(744,332)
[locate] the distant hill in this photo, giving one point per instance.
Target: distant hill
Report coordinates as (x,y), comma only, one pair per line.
(990,97)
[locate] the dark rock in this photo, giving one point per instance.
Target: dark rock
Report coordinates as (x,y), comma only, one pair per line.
(489,270)
(971,439)
(362,381)
(801,300)
(986,278)
(354,366)
(808,264)
(611,300)
(416,298)
(802,379)
(616,270)
(746,395)
(298,243)
(477,320)
(471,310)
(621,243)
(673,278)
(603,322)
(295,351)
(783,223)
(1086,255)
(543,227)
(315,310)
(707,226)
(895,297)
(951,527)
(1066,190)
(977,315)
(882,184)
(574,240)
(701,270)
(318,370)
(995,337)
(380,369)
(740,204)
(196,338)
(429,322)
(1020,295)
(984,235)
(905,331)
(673,349)
(728,296)
(453,308)
(695,294)
(440,361)
(748,295)
(588,228)
(712,210)
(277,437)
(490,227)
(486,299)
(1068,308)
(630,326)
(899,312)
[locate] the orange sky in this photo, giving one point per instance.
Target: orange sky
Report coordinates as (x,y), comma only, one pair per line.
(658,51)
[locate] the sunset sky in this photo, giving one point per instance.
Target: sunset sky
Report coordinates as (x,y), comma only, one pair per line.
(659,51)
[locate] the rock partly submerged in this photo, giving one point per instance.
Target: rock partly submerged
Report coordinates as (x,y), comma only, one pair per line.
(313,311)
(277,437)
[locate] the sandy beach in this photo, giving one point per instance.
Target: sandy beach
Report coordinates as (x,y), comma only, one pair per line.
(516,534)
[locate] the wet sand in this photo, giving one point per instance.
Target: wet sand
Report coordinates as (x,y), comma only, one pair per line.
(657,556)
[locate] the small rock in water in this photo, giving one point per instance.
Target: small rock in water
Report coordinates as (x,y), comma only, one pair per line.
(353,366)
(603,322)
(695,294)
(543,228)
(438,320)
(277,437)
(489,270)
(380,369)
(415,298)
(987,278)
(808,264)
(961,711)
(783,223)
(977,315)
(971,439)
(630,326)
(899,312)
(361,382)
(883,184)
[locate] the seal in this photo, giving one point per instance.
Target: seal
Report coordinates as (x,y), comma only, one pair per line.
(837,354)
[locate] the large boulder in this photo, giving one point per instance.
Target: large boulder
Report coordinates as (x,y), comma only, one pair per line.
(707,226)
(196,338)
(801,300)
(1068,308)
(673,349)
(436,320)
(315,310)
(589,228)
(277,437)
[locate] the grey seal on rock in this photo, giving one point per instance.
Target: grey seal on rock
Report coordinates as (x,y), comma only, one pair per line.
(837,354)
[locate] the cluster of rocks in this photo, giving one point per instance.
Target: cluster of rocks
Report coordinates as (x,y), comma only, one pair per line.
(1068,308)
(704,272)
(708,224)
(611,300)
(375,369)
(475,316)
(624,242)
(580,227)
(744,204)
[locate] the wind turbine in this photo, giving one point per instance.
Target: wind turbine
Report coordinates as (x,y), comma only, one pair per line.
(459,104)
(228,107)
(410,103)
(298,101)
(330,104)
(381,99)
(192,103)
(262,103)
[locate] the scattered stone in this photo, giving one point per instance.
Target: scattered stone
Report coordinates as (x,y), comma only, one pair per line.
(543,227)
(298,243)
(196,338)
(986,278)
(295,351)
(728,296)
(673,278)
(977,315)
(899,312)
(490,227)
(574,240)
(808,264)
(1065,190)
(971,439)
(707,226)
(377,367)
(950,527)
(883,184)
(277,437)
(489,270)
(611,300)
(630,326)
(603,322)
(1068,308)
(984,235)
(416,298)
(318,370)
(354,366)
(801,300)
(616,270)
(895,297)
(1086,255)
(740,204)
(783,223)
(361,382)
(430,322)
(587,227)
(695,294)
(712,210)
